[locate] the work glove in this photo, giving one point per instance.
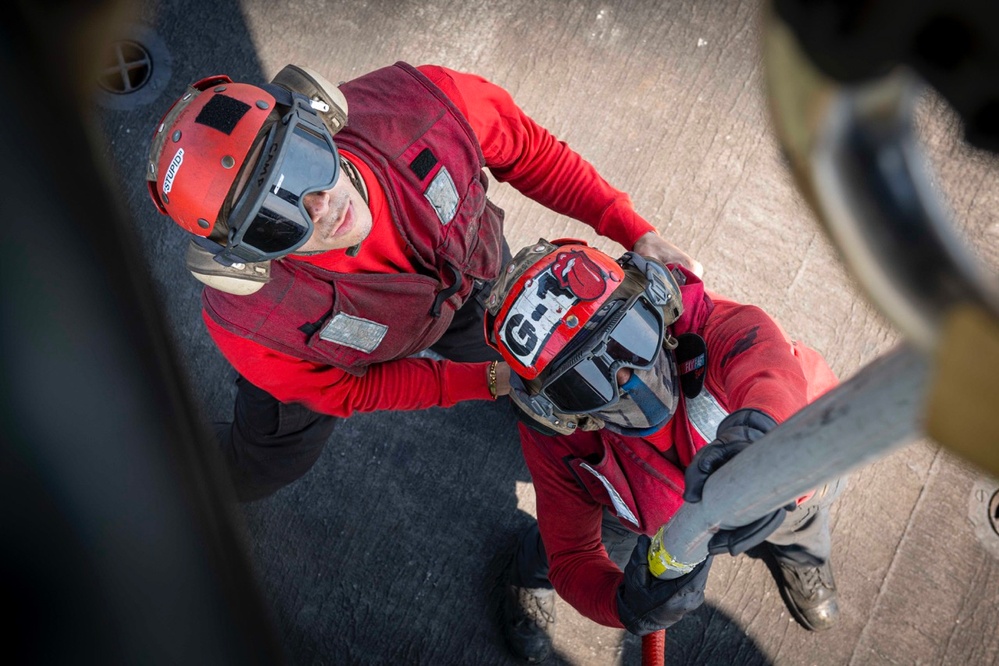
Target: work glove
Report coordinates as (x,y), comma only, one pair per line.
(647,604)
(736,431)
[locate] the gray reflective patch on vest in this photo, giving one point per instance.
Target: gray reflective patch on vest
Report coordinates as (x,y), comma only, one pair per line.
(704,414)
(619,506)
(361,334)
(443,196)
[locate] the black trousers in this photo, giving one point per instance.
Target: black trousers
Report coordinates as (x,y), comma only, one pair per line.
(269,444)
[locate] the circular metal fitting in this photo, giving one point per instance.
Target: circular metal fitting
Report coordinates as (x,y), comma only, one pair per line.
(134,70)
(128,68)
(994,512)
(983,512)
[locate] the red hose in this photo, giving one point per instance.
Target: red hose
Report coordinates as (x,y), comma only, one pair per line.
(654,648)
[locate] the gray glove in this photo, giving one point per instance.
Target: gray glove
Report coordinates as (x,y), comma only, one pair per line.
(647,604)
(736,431)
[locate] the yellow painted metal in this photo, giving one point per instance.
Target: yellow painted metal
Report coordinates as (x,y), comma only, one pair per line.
(963,403)
(660,561)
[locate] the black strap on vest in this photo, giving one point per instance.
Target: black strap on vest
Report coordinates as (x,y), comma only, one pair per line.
(310,327)
(692,359)
(445,294)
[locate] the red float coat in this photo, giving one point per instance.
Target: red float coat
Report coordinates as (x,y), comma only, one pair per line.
(429,162)
(751,362)
(516,150)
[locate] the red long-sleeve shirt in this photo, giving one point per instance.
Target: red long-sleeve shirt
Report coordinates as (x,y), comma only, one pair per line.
(517,151)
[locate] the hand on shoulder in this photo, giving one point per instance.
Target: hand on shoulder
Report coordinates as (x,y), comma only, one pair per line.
(654,246)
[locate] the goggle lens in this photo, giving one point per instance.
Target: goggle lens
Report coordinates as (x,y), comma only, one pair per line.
(583,388)
(636,340)
(279,223)
(271,231)
(591,383)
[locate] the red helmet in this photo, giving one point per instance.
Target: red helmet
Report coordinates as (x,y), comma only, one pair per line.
(567,317)
(199,148)
(204,145)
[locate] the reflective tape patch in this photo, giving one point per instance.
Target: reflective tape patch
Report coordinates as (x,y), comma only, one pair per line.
(705,414)
(443,195)
(354,332)
(619,506)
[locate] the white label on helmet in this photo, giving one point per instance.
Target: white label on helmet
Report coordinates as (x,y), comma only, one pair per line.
(535,316)
(172,171)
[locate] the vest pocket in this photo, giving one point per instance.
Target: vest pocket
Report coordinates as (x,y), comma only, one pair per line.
(607,483)
(642,487)
(377,318)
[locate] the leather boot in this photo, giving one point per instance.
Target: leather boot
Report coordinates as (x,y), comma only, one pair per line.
(810,594)
(528,620)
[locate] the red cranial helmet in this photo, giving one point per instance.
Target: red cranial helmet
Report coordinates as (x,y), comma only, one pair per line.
(233,163)
(566,317)
(199,148)
(548,293)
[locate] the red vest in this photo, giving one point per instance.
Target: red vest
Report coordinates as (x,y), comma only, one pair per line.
(429,163)
(628,474)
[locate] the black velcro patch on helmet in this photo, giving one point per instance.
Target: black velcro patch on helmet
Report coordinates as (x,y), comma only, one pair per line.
(222,113)
(423,163)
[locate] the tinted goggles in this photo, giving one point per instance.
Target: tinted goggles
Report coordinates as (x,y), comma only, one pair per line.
(269,219)
(630,337)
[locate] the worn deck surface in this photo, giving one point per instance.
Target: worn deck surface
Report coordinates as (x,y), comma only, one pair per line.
(389,550)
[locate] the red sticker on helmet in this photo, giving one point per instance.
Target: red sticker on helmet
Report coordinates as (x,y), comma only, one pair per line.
(579,274)
(550,303)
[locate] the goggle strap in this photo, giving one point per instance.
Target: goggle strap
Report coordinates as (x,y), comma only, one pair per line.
(281,95)
(217,251)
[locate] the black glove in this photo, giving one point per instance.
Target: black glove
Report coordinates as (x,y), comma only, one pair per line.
(736,431)
(647,604)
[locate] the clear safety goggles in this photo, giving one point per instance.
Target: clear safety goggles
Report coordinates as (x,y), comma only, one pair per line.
(630,336)
(269,219)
